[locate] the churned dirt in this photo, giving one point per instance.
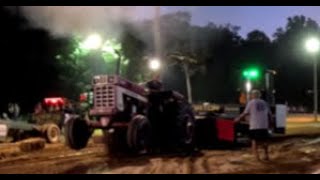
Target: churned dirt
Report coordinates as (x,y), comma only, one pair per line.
(290,155)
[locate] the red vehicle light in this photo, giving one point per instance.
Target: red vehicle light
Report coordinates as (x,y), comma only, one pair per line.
(54,101)
(83,97)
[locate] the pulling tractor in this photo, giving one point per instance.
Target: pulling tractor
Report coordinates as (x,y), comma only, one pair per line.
(133,118)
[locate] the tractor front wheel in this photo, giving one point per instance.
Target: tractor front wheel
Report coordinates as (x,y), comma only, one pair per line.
(77,133)
(52,133)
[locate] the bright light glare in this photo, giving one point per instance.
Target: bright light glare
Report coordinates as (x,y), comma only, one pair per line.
(248,86)
(94,41)
(154,64)
(312,45)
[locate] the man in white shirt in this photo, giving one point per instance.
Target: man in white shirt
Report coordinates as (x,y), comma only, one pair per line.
(259,121)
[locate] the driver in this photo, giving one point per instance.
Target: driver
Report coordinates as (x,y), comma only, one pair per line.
(155,85)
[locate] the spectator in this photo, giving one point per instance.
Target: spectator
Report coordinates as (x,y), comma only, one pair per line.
(259,121)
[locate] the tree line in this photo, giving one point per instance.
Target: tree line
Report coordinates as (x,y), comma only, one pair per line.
(38,65)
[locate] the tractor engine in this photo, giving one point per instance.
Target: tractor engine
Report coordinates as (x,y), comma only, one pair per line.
(116,100)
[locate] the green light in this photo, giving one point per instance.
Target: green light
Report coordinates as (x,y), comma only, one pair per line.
(245,73)
(252,73)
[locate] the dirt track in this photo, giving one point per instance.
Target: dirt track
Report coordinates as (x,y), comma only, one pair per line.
(53,159)
(288,156)
(291,155)
(284,160)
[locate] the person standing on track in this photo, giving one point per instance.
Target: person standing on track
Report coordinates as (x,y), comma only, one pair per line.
(260,120)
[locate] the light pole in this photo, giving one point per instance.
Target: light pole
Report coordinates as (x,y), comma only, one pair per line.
(313,46)
(95,43)
(185,61)
(250,75)
(118,67)
(248,89)
(188,81)
(157,32)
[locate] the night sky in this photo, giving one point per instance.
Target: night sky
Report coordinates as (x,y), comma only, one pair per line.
(265,18)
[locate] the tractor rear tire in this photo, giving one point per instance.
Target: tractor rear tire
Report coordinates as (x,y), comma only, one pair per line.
(52,133)
(139,134)
(77,133)
(186,125)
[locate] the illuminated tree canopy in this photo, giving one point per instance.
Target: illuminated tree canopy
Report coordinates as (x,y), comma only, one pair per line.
(89,57)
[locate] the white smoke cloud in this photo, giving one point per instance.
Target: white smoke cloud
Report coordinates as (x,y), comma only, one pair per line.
(81,20)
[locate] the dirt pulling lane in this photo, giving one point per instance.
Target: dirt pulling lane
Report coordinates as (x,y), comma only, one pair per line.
(54,159)
(288,156)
